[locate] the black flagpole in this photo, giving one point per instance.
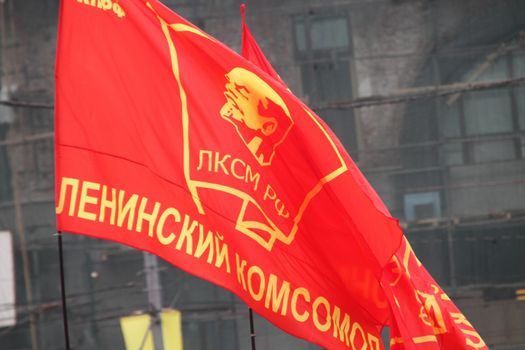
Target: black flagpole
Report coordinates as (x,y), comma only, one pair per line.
(252,330)
(63,289)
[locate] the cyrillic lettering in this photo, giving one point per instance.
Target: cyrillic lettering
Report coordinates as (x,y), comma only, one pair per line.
(166,240)
(220,162)
(256,270)
(295,296)
(269,193)
(201,159)
(323,327)
(186,234)
(374,343)
(222,253)
(341,329)
(234,173)
(281,210)
(250,177)
(67,182)
(85,198)
(126,210)
(106,203)
(357,327)
(277,300)
(478,343)
(459,318)
(240,265)
(205,244)
(117,9)
(105,4)
(150,218)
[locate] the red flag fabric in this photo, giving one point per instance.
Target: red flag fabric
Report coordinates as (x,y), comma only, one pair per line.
(423,316)
(252,52)
(169,142)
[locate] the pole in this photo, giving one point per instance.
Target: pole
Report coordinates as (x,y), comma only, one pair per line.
(63,289)
(252,329)
(20,229)
(154,297)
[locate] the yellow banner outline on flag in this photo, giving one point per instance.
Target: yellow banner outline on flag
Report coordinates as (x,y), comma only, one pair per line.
(243,226)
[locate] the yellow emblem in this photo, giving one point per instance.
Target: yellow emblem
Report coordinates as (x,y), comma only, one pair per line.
(258,113)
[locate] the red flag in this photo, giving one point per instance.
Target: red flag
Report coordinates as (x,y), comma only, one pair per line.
(169,142)
(252,52)
(423,316)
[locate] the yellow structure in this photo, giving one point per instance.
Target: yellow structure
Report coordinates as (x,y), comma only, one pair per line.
(137,333)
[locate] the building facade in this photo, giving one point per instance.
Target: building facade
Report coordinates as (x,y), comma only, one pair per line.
(427,96)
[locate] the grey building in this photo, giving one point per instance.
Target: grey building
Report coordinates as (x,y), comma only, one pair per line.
(427,96)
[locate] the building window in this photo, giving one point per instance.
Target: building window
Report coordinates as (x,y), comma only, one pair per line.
(323,49)
(487,125)
(322,33)
(421,206)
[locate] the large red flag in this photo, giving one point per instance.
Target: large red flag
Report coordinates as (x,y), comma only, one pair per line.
(169,142)
(423,316)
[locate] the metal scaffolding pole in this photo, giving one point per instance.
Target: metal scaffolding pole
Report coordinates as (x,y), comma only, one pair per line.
(154,289)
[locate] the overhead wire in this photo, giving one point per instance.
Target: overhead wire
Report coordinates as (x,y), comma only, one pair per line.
(408,95)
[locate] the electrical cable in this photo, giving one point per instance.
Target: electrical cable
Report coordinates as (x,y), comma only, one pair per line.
(372,101)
